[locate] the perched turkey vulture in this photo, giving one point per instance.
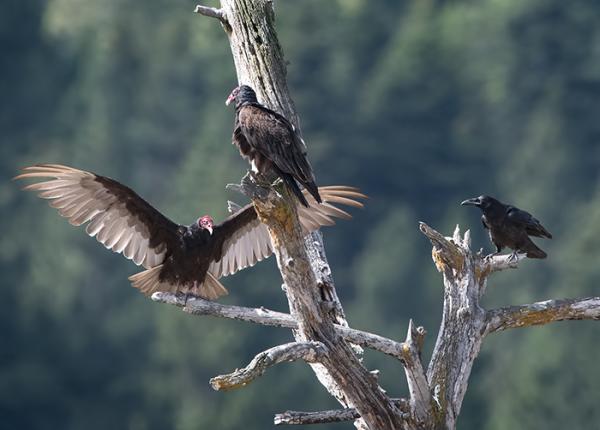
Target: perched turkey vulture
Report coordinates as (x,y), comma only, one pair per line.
(510,226)
(178,258)
(270,142)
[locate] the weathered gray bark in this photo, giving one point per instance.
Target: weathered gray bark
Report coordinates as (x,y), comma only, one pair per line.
(333,416)
(541,313)
(259,62)
(463,324)
(310,352)
(323,338)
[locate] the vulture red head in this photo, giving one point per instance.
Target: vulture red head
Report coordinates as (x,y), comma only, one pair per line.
(241,94)
(206,222)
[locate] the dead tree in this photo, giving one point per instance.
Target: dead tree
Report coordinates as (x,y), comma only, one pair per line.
(322,336)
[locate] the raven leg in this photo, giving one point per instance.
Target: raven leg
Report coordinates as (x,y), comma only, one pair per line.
(493,254)
(514,256)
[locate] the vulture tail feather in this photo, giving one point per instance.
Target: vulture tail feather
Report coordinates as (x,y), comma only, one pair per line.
(211,288)
(149,282)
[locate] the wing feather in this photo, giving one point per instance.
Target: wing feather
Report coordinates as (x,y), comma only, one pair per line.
(275,137)
(119,218)
(531,224)
(117,230)
(123,241)
(246,241)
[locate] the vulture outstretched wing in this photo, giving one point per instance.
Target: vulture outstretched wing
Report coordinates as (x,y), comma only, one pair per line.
(119,218)
(274,136)
(246,240)
(532,226)
(124,222)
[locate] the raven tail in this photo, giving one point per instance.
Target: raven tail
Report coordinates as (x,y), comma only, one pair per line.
(535,252)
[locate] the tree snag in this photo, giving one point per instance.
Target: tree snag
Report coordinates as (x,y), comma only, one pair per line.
(323,338)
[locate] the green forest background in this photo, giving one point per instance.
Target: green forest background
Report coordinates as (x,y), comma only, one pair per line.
(420,103)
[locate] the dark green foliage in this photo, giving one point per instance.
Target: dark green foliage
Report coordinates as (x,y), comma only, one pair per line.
(420,103)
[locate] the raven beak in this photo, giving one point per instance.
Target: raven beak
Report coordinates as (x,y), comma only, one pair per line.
(229,99)
(471,202)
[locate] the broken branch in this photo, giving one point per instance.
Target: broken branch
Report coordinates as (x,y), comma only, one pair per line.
(420,394)
(542,313)
(311,352)
(331,416)
(211,12)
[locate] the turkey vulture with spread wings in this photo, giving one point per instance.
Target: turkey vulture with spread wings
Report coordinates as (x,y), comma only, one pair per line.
(510,226)
(178,258)
(270,142)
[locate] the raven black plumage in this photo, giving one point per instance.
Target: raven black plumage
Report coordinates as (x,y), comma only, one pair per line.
(178,258)
(510,226)
(270,142)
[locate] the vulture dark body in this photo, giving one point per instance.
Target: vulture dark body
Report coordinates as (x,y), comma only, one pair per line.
(178,258)
(510,226)
(270,142)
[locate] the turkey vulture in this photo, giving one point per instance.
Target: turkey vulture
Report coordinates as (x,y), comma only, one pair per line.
(178,258)
(270,142)
(510,226)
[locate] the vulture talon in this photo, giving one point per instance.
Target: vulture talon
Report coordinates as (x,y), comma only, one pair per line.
(255,180)
(234,187)
(253,176)
(248,179)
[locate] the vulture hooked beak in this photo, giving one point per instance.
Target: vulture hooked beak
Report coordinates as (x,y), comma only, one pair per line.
(230,98)
(206,223)
(475,201)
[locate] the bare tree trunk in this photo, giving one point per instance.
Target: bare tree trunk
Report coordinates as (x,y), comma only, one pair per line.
(463,323)
(308,282)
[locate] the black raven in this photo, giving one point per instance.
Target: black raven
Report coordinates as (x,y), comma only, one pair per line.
(510,226)
(269,141)
(178,258)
